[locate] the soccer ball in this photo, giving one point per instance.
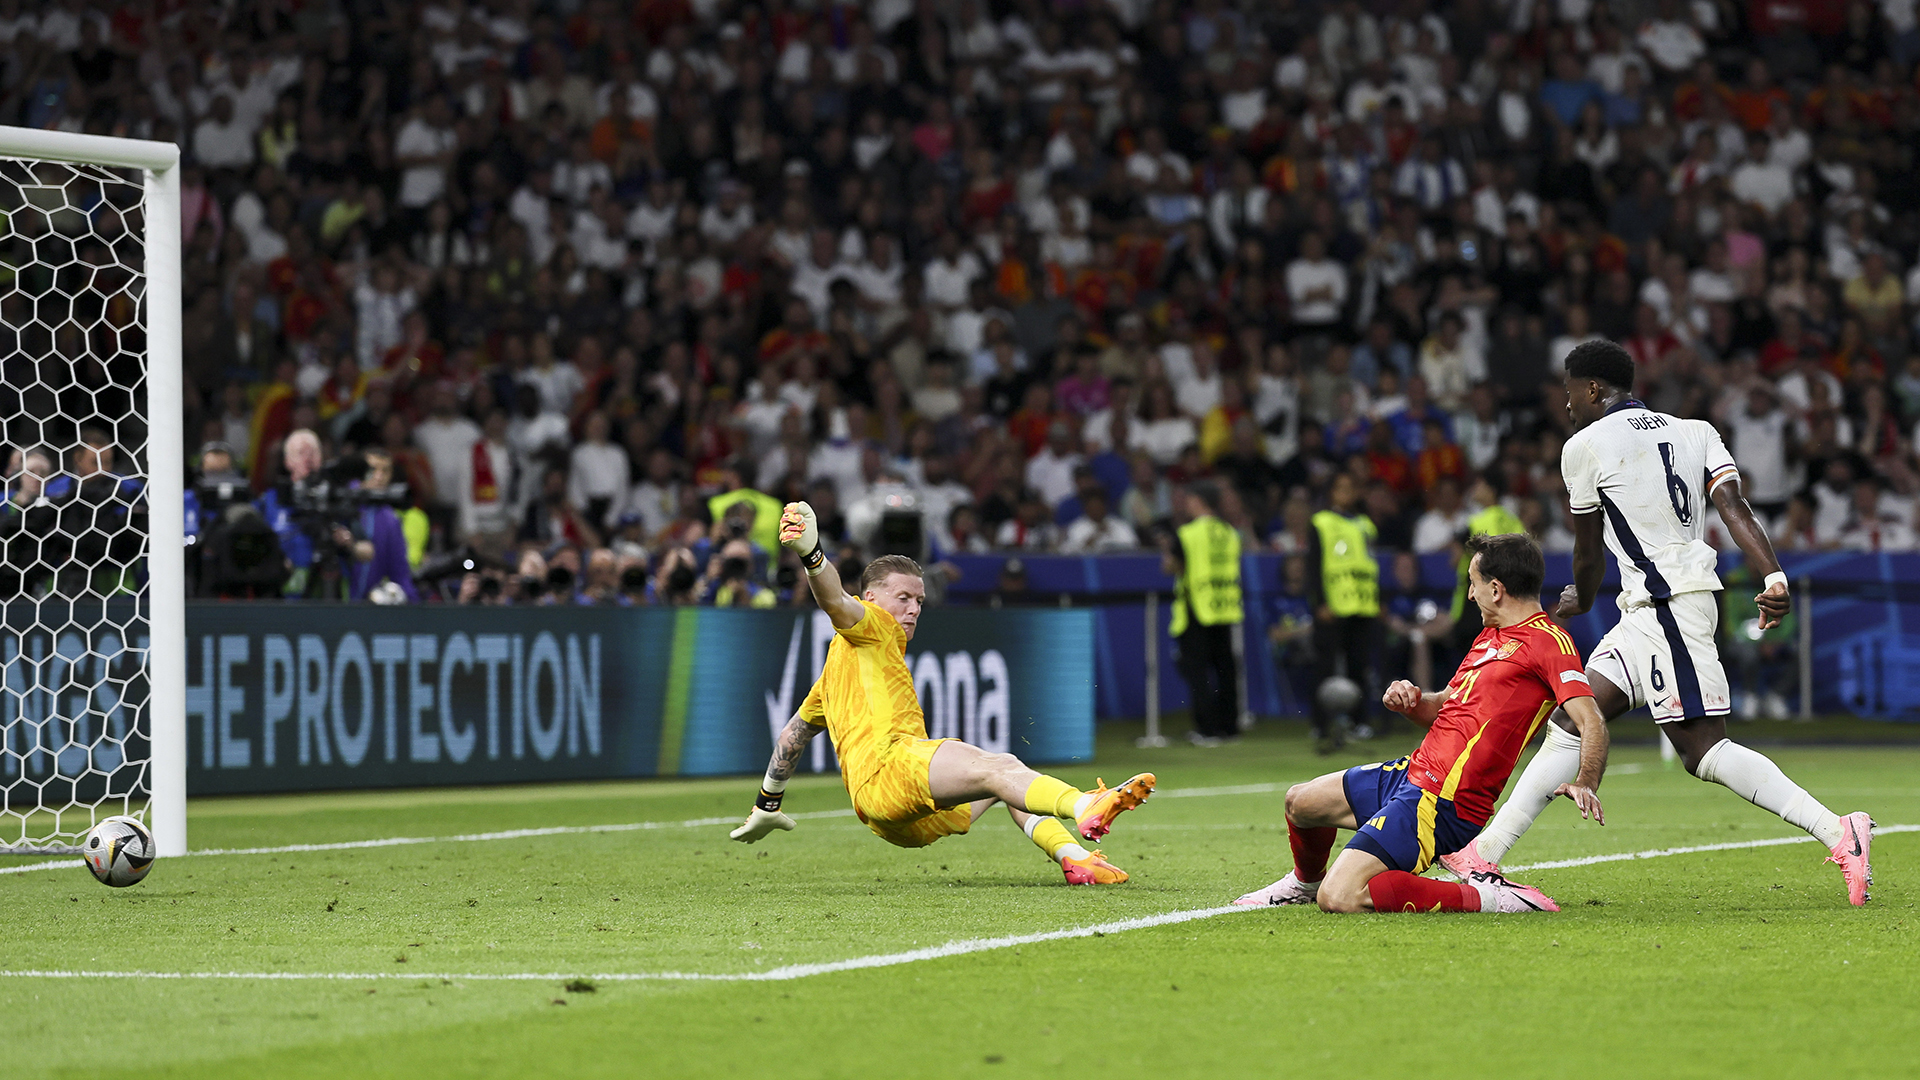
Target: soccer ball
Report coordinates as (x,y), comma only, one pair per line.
(119,851)
(1338,695)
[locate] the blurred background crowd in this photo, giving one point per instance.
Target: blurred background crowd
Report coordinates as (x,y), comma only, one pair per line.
(557,301)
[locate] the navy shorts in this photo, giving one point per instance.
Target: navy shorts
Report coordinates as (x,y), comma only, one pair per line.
(1400,824)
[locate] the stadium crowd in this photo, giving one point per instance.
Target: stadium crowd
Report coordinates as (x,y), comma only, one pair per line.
(602,284)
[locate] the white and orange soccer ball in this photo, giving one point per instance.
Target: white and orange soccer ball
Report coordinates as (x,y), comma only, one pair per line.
(119,851)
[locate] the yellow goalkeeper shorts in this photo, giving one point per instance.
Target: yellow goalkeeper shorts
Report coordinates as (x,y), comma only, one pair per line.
(897,803)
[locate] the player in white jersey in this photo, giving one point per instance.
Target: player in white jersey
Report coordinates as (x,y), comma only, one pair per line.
(1639,481)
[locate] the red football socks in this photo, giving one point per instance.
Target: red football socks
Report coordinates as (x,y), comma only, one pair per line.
(1310,850)
(1397,890)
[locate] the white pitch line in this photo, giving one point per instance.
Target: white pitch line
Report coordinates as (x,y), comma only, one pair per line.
(1657,853)
(801,971)
(779,974)
(464,838)
(574,830)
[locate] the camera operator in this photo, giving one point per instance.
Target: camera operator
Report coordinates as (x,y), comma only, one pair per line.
(676,581)
(231,551)
(730,581)
(374,547)
(300,454)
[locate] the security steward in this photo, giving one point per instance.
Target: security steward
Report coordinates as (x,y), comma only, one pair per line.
(1492,519)
(1343,582)
(1205,566)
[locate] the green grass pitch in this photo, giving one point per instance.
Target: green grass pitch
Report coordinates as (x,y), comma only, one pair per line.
(1744,962)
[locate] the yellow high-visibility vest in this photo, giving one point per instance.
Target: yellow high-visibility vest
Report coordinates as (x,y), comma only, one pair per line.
(1495,520)
(1348,573)
(1210,584)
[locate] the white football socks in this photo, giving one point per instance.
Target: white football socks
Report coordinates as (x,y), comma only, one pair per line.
(1558,762)
(1754,777)
(1080,804)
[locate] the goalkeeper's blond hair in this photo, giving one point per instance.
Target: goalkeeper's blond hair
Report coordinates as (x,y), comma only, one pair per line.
(877,570)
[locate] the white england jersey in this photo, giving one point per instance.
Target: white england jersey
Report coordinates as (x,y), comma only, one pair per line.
(1653,475)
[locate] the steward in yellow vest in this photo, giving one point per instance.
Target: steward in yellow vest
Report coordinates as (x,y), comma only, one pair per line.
(1343,583)
(1204,561)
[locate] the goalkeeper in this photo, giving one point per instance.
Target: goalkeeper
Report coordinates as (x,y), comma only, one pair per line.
(907,788)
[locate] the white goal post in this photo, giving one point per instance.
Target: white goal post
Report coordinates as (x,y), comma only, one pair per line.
(90,248)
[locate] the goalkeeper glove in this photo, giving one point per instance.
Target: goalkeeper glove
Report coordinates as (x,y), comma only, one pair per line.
(800,534)
(760,823)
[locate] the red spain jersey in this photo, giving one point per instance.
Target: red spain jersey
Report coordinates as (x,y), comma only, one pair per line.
(1509,683)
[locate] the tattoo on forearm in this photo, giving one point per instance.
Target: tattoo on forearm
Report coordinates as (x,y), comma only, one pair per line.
(788,748)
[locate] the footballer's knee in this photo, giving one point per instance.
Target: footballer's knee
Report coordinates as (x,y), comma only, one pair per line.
(1336,899)
(1295,795)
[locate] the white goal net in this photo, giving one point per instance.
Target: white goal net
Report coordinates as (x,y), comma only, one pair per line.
(90,435)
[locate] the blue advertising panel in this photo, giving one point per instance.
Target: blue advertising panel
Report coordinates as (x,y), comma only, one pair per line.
(304,697)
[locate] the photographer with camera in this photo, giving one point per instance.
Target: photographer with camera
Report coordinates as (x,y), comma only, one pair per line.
(301,457)
(729,581)
(676,581)
(232,552)
(374,546)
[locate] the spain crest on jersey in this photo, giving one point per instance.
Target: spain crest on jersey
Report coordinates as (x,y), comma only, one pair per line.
(1506,648)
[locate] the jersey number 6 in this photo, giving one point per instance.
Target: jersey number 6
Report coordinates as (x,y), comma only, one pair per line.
(1677,492)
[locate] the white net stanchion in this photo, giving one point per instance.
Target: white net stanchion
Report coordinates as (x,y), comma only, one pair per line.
(90,523)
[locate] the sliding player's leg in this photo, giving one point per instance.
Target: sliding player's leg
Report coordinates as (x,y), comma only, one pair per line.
(1082,867)
(1380,869)
(1708,754)
(1316,812)
(1556,762)
(961,773)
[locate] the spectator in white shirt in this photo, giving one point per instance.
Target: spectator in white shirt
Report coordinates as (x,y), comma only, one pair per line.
(424,149)
(1433,180)
(575,178)
(727,219)
(223,140)
(1316,285)
(1760,180)
(1162,433)
(1098,530)
(1759,433)
(656,498)
(1445,517)
(1050,472)
(447,439)
(487,499)
(948,275)
(813,278)
(1670,40)
(1449,363)
(1198,392)
(598,478)
(381,303)
(535,434)
(557,381)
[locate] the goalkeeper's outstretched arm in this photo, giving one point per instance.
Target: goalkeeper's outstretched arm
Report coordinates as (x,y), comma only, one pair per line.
(800,534)
(766,815)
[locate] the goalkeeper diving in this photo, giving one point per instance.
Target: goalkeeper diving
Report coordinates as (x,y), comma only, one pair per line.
(909,789)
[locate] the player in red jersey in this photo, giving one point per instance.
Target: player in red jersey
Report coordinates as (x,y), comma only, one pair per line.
(1434,801)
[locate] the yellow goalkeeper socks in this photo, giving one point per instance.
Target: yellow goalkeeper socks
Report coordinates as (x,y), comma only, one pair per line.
(1053,837)
(1049,796)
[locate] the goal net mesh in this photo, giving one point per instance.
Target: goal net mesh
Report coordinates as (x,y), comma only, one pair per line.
(74,722)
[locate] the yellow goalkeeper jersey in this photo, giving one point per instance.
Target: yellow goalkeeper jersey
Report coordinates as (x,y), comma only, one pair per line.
(864,696)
